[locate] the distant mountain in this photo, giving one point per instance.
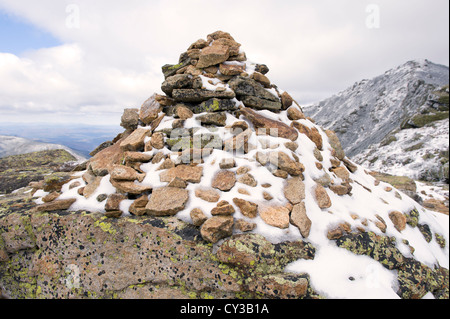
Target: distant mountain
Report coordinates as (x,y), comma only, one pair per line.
(11,145)
(78,137)
(367,112)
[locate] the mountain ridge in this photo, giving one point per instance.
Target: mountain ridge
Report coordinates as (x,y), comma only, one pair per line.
(368,111)
(13,145)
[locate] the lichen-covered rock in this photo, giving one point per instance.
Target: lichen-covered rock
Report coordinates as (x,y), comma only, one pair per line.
(254,254)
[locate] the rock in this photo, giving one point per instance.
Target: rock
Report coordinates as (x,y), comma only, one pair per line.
(227,163)
(150,109)
(101,147)
(125,173)
(180,81)
(190,174)
(130,119)
(243,86)
(55,205)
(105,257)
(219,35)
(113,202)
(224,180)
(238,143)
(177,182)
(293,146)
(267,196)
(286,100)
(340,190)
(232,45)
(133,157)
(294,190)
(262,158)
(198,217)
(284,162)
(217,119)
(55,181)
(312,133)
(214,105)
(248,209)
(200,95)
(209,195)
(269,126)
(398,219)
(243,170)
(248,179)
(262,68)
(92,186)
(294,114)
(282,286)
(157,140)
(223,208)
(113,214)
(277,216)
(322,198)
(260,104)
(238,127)
(244,226)
(50,197)
(261,78)
(199,44)
(167,164)
(138,206)
(231,69)
(135,141)
(217,228)
(280,173)
(213,55)
(300,219)
(130,187)
(171,69)
(350,166)
(167,201)
(335,144)
(255,254)
(342,173)
(184,113)
(102,197)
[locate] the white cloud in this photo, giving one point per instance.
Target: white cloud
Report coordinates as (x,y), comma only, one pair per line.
(113,60)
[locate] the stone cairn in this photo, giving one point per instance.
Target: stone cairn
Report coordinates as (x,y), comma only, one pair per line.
(215,86)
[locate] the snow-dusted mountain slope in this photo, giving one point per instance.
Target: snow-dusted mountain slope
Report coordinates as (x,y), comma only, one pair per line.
(367,112)
(12,145)
(419,153)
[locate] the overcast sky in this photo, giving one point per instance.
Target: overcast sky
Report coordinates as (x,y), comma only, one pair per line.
(85,61)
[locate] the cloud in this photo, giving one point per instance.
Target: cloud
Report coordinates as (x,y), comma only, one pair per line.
(113,59)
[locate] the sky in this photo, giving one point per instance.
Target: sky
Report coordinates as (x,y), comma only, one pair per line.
(81,61)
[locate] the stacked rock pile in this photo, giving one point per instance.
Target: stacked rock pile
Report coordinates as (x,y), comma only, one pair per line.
(228,151)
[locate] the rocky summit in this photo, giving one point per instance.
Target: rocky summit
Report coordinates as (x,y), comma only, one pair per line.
(221,188)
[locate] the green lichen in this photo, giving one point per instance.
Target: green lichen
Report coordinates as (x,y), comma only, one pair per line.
(105,226)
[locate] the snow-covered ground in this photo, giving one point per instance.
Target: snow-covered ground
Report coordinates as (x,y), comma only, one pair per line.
(414,152)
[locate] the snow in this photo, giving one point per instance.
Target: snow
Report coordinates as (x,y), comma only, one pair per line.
(414,152)
(337,273)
